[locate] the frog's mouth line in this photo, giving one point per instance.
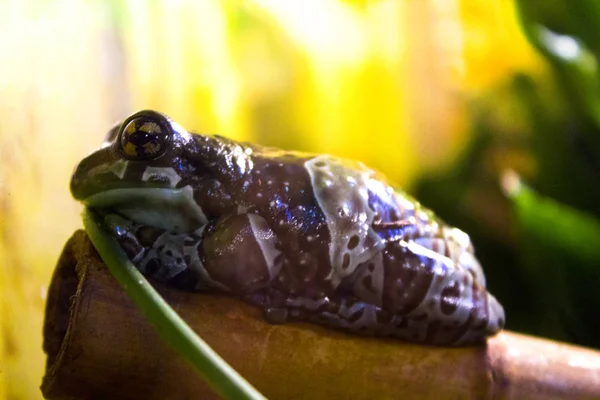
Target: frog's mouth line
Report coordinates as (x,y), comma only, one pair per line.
(171,209)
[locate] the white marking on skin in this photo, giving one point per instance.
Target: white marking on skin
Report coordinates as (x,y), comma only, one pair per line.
(266,240)
(170,209)
(195,264)
(141,264)
(468,261)
(404,203)
(182,133)
(460,237)
(241,159)
(172,263)
(435,244)
(333,191)
(461,252)
(374,294)
(162,172)
(242,209)
(118,168)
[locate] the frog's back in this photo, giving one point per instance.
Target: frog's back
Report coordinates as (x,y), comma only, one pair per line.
(373,254)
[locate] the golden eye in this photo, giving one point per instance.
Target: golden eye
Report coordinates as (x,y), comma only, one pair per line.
(144,136)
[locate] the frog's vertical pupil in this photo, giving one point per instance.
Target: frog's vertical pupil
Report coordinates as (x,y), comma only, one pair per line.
(143,138)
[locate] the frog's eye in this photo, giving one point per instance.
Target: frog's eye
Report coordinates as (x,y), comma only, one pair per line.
(144,136)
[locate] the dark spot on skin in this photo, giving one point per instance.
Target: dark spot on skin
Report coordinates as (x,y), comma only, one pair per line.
(320,164)
(432,329)
(186,280)
(368,283)
(384,317)
(148,235)
(179,260)
(152,266)
(403,324)
(356,316)
(332,307)
(169,253)
(130,245)
(420,317)
(371,267)
(480,324)
(353,242)
(450,298)
(346,261)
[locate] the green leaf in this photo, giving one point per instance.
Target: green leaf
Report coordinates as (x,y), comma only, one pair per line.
(173,330)
(556,225)
(573,51)
(560,251)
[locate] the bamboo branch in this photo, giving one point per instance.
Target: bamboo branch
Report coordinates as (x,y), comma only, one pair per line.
(100,346)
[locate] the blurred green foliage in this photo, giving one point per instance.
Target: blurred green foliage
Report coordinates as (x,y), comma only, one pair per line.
(540,246)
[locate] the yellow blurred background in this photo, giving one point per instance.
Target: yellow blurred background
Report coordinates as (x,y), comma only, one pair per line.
(385,82)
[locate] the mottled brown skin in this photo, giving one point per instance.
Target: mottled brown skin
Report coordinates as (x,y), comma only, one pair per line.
(234,183)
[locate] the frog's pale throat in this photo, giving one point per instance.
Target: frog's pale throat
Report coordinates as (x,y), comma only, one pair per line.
(304,237)
(170,209)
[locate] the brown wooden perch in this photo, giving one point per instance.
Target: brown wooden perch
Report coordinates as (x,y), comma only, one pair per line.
(99,346)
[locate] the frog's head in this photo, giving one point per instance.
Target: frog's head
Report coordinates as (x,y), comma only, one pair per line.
(142,172)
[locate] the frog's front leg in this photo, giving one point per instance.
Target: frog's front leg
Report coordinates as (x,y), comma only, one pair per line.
(162,255)
(235,253)
(241,253)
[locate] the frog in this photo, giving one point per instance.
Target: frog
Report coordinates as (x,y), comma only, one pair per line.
(304,237)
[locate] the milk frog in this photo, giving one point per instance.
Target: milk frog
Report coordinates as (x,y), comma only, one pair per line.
(304,237)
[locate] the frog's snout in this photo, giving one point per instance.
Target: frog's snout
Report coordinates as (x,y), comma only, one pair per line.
(96,171)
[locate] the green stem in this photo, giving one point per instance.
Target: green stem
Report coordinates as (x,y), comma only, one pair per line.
(219,375)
